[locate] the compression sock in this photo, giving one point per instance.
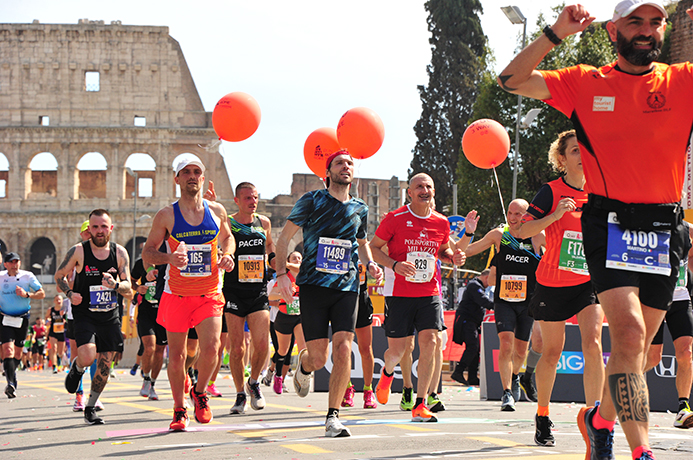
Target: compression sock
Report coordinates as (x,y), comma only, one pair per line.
(93,397)
(532,360)
(92,369)
(10,368)
(279,365)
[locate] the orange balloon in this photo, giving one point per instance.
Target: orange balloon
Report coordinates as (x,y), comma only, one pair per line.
(319,145)
(361,132)
(486,143)
(236,117)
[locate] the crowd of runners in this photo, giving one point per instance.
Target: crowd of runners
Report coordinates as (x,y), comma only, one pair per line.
(605,240)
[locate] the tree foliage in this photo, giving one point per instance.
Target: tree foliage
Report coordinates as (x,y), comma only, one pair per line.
(477,188)
(458,48)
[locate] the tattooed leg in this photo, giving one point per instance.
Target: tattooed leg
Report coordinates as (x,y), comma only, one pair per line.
(98,382)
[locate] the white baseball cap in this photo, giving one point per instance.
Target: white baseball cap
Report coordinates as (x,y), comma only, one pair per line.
(188,159)
(626,7)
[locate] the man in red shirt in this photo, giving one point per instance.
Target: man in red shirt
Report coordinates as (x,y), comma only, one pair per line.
(415,236)
(633,123)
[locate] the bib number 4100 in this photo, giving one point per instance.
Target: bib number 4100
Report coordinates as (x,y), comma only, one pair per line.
(640,238)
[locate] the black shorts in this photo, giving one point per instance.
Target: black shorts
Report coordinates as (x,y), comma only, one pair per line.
(192,333)
(241,303)
(147,325)
(514,318)
(69,329)
(59,336)
(285,324)
(364,316)
(656,291)
(321,306)
(403,315)
(561,303)
(38,348)
(679,320)
(105,334)
(14,334)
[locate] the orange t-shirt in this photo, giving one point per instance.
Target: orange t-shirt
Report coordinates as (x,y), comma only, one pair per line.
(633,130)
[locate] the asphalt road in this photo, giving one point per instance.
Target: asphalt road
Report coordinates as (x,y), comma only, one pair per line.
(40,424)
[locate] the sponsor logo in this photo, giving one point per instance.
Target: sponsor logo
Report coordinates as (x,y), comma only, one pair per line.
(249,243)
(603,104)
(666,368)
(409,224)
(571,362)
(656,100)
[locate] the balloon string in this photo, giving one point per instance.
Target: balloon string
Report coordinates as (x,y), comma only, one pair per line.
(500,195)
(357,175)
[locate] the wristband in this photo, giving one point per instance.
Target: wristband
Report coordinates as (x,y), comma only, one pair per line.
(27,295)
(282,274)
(394,265)
(551,35)
(69,293)
(468,234)
(116,286)
(150,269)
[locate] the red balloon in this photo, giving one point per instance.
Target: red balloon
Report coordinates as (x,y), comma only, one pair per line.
(361,132)
(486,143)
(319,145)
(236,117)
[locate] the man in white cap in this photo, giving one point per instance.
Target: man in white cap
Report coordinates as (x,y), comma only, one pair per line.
(633,121)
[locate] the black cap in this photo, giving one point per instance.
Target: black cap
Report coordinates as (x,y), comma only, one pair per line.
(10,256)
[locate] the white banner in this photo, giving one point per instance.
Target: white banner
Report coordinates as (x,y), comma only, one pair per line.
(688,179)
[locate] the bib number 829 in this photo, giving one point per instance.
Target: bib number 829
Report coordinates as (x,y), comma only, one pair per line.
(421,264)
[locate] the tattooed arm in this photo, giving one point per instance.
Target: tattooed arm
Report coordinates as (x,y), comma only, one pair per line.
(124,286)
(74,259)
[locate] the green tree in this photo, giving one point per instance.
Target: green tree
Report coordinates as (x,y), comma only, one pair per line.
(458,48)
(477,188)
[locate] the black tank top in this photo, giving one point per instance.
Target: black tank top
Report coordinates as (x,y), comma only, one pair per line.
(516,265)
(97,301)
(249,272)
(56,318)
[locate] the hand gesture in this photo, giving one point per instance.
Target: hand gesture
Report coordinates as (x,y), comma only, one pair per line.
(572,20)
(471,221)
(210,194)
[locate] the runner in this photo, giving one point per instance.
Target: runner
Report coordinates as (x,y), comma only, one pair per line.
(193,229)
(103,272)
(334,228)
(416,236)
(245,292)
(634,183)
(18,288)
(56,334)
(513,269)
(38,348)
(563,285)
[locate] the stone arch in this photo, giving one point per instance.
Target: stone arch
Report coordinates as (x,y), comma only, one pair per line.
(138,249)
(3,250)
(90,176)
(42,176)
(4,175)
(176,188)
(42,252)
(145,167)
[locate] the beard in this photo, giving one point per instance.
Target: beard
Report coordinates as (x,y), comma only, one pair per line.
(101,241)
(337,179)
(635,56)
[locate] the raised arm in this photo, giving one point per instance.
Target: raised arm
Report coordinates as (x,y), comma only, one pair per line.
(521,76)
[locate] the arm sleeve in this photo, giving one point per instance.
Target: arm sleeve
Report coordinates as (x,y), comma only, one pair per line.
(300,213)
(541,205)
(137,271)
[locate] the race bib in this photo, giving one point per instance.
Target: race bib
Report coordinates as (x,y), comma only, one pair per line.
(199,261)
(513,288)
(362,273)
(333,255)
(12,321)
(425,264)
(572,256)
(683,271)
(102,298)
(58,328)
(151,292)
(637,250)
(251,268)
(293,308)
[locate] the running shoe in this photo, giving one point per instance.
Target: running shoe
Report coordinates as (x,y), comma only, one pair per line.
(515,388)
(152,394)
(268,379)
(421,414)
(55,370)
(348,400)
(434,403)
(684,419)
(90,417)
(369,399)
(213,391)
(203,414)
(301,380)
(335,429)
(112,374)
(133,371)
(10,391)
(98,406)
(78,406)
(646,455)
(72,379)
(600,443)
(188,384)
(257,401)
(459,377)
(180,420)
(278,385)
(407,402)
(528,387)
(246,372)
(507,402)
(543,436)
(239,406)
(146,388)
(382,390)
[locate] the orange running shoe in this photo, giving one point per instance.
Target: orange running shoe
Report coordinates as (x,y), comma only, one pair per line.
(203,414)
(382,390)
(421,414)
(180,419)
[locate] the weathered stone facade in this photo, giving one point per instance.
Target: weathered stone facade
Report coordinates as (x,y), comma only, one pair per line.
(71,89)
(682,35)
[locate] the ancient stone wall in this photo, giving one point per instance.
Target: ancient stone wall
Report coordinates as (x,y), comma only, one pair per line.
(682,35)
